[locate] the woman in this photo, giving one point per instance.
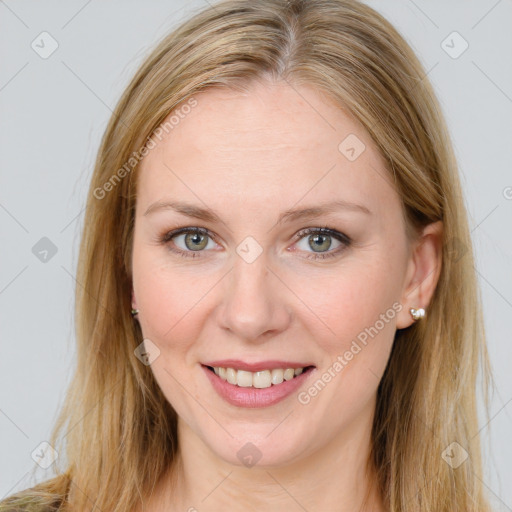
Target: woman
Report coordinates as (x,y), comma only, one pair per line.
(277,306)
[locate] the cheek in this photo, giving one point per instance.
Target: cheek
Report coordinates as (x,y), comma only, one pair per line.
(358,308)
(168,298)
(352,299)
(359,303)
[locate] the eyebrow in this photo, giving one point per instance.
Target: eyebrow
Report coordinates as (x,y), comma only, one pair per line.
(209,215)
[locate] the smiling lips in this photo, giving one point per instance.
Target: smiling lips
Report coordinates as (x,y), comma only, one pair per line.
(257,384)
(260,380)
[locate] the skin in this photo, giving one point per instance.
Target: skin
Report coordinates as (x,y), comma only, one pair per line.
(250,156)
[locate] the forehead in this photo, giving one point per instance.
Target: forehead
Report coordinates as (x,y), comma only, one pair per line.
(272,142)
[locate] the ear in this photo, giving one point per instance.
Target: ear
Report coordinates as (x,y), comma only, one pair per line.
(423,271)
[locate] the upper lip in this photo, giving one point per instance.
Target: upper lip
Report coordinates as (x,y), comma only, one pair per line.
(256,367)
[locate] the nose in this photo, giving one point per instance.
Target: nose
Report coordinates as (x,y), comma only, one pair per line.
(254,304)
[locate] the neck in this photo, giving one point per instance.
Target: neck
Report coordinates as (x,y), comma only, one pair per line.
(332,478)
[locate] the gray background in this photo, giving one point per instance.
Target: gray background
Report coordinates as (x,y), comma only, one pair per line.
(54,111)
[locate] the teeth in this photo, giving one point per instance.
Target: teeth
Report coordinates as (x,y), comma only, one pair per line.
(231,375)
(277,376)
(261,379)
(244,379)
(288,373)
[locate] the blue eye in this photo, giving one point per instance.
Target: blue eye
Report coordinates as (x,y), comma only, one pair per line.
(196,239)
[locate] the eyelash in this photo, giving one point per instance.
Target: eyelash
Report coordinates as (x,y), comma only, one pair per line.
(166,238)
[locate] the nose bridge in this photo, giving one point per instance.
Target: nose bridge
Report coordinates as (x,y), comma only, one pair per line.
(252,303)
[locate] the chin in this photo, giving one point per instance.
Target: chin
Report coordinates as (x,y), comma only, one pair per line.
(255,447)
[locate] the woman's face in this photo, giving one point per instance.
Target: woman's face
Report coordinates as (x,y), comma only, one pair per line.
(252,289)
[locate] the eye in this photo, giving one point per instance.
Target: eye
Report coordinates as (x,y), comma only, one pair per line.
(320,241)
(193,241)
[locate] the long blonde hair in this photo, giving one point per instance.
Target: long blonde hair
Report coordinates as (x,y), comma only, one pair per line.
(116,428)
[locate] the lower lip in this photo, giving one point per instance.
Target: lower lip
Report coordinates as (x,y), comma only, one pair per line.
(256,397)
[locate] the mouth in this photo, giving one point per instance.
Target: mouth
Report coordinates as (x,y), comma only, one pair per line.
(261,379)
(262,388)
